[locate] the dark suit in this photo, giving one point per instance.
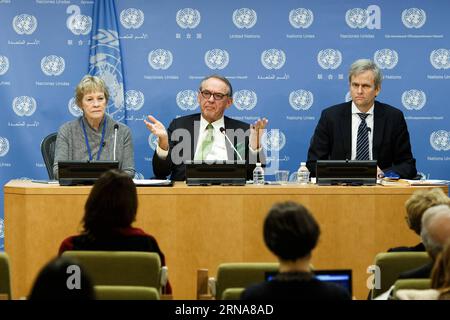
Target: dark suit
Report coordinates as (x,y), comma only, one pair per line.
(391,148)
(185,150)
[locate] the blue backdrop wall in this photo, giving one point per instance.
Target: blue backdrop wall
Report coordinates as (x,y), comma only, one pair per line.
(287,60)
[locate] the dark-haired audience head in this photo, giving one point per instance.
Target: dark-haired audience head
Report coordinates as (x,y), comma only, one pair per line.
(435,229)
(440,276)
(62,279)
(290,231)
(112,204)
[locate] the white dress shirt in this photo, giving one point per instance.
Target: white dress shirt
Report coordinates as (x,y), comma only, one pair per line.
(356,120)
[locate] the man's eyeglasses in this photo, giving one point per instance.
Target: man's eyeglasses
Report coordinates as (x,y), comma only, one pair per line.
(217,96)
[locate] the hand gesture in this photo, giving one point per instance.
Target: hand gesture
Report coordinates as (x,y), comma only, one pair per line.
(256,131)
(158,129)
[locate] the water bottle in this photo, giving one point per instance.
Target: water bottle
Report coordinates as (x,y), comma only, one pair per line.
(258,174)
(303,174)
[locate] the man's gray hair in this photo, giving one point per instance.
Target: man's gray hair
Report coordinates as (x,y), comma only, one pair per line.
(221,78)
(363,65)
(429,216)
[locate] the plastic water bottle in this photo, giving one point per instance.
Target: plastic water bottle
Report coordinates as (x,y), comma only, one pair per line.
(258,174)
(303,174)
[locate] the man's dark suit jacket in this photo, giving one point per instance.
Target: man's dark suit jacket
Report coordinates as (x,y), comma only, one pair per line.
(332,139)
(163,168)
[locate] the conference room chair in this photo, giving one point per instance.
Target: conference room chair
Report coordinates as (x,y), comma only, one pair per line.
(232,293)
(125,293)
(5,278)
(48,153)
(233,275)
(122,268)
(391,264)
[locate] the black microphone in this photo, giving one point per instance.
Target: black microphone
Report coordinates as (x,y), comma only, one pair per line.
(116,127)
(222,129)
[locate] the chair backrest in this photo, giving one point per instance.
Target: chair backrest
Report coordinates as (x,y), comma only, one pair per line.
(125,293)
(418,284)
(241,275)
(120,268)
(232,294)
(48,153)
(391,264)
(5,280)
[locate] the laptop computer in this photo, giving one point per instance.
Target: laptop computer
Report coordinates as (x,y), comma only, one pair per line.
(215,172)
(83,172)
(346,172)
(341,277)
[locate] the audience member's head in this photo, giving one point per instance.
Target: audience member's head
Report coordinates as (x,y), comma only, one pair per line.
(112,204)
(435,229)
(290,231)
(420,201)
(62,279)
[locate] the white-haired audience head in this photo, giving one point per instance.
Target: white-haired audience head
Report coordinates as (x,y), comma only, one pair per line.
(435,228)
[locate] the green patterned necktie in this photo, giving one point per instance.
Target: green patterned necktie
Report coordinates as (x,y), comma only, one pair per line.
(207,144)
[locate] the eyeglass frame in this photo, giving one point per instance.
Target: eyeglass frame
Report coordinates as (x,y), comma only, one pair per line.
(213,94)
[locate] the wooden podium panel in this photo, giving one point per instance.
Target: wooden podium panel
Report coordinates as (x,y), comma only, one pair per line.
(201,227)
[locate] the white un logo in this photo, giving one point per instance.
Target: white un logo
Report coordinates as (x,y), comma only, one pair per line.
(244,18)
(4,65)
(440,58)
(24,24)
(160,59)
(187,100)
(134,100)
(273,59)
(188,18)
(301,18)
(386,58)
(4,146)
(24,106)
(74,109)
(273,140)
(329,58)
(440,140)
(414,99)
(52,65)
(358,18)
(2,228)
(77,23)
(132,18)
(245,99)
(414,18)
(301,99)
(217,59)
(152,141)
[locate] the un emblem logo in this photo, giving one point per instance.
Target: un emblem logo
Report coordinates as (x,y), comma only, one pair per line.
(188,18)
(301,99)
(52,65)
(160,59)
(440,58)
(244,18)
(414,18)
(357,18)
(187,100)
(273,140)
(74,109)
(4,65)
(24,24)
(138,176)
(385,58)
(217,59)
(301,18)
(348,97)
(132,18)
(152,141)
(245,100)
(77,23)
(4,146)
(24,106)
(440,140)
(2,229)
(134,100)
(329,58)
(414,99)
(273,59)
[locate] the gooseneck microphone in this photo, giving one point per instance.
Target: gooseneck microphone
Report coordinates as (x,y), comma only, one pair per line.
(116,127)
(222,129)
